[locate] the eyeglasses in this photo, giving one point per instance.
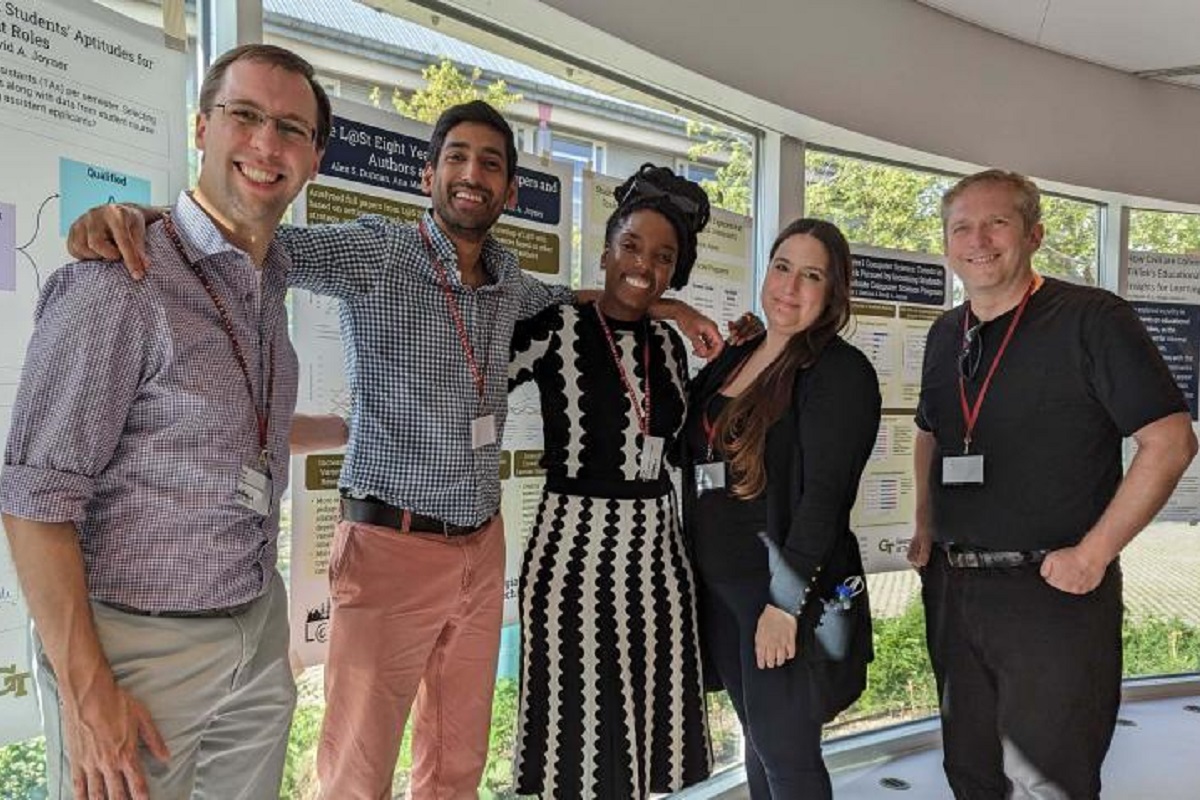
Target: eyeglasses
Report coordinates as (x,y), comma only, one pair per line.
(641,188)
(971,353)
(252,117)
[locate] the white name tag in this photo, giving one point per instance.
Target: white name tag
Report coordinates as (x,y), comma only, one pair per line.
(483,431)
(255,491)
(710,477)
(962,470)
(650,463)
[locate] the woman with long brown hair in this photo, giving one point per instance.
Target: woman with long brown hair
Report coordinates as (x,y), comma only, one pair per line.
(778,432)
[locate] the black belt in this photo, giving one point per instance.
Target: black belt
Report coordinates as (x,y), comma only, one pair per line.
(204,613)
(968,558)
(375,512)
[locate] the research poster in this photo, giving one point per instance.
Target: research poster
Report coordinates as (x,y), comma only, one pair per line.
(373,165)
(721,285)
(1165,292)
(895,297)
(91,111)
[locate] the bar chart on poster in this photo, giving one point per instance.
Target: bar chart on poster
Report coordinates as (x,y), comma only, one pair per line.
(91,112)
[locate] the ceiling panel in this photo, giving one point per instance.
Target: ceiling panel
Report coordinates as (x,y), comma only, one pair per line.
(1130,36)
(1145,35)
(1020,19)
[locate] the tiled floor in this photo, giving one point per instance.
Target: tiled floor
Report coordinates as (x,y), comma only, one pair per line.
(1157,758)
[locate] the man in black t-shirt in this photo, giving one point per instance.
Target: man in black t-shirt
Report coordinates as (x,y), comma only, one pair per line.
(1027,391)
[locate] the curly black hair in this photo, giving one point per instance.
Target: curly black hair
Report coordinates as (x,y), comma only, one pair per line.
(682,202)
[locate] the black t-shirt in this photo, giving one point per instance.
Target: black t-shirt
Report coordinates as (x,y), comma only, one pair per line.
(724,529)
(1079,374)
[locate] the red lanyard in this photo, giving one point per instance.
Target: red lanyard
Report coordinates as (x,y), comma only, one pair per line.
(444,281)
(710,427)
(263,418)
(971,414)
(640,410)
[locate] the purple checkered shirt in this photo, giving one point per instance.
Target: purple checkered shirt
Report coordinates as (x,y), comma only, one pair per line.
(133,420)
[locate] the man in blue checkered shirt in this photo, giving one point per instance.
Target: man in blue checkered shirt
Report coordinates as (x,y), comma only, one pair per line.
(417,563)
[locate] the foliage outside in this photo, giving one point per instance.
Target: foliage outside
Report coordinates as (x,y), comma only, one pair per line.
(881,205)
(445,86)
(731,187)
(1164,232)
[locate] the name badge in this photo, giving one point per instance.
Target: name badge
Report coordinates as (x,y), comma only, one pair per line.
(255,490)
(962,470)
(483,431)
(710,477)
(650,463)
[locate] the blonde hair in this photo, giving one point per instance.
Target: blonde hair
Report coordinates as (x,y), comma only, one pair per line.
(1028,199)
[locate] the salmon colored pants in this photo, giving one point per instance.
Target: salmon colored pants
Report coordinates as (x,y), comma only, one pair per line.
(416,617)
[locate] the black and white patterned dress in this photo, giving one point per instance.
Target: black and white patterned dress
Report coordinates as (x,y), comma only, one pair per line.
(612,703)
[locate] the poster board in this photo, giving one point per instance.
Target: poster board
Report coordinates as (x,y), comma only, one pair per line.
(91,111)
(373,166)
(1165,292)
(895,297)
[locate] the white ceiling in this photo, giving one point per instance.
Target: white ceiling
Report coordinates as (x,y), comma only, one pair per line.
(1150,37)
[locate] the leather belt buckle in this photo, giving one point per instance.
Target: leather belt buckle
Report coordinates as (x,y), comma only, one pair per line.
(963,558)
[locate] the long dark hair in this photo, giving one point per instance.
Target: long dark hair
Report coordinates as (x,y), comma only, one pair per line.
(683,202)
(743,424)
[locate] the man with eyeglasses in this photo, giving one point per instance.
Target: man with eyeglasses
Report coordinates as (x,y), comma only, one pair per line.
(145,464)
(1022,510)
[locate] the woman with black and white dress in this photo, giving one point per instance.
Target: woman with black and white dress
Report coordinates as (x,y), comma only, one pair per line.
(612,701)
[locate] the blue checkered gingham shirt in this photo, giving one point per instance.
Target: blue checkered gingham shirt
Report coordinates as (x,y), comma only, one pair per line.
(133,421)
(412,394)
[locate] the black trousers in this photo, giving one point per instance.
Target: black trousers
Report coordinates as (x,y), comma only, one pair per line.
(1029,679)
(783,735)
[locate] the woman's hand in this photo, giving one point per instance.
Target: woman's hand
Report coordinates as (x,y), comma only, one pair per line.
(775,638)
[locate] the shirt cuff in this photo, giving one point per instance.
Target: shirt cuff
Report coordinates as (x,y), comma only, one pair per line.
(788,590)
(44,495)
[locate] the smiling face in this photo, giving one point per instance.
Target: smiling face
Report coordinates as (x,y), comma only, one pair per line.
(470,185)
(797,286)
(988,245)
(638,262)
(251,173)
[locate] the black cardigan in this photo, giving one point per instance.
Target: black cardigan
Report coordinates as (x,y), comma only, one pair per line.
(815,456)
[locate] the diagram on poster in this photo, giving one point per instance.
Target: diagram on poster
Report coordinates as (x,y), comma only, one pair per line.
(91,110)
(373,166)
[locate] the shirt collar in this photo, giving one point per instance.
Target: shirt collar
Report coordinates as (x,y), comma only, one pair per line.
(496,258)
(202,239)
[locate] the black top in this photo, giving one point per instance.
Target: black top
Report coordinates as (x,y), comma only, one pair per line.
(724,530)
(815,456)
(592,442)
(1079,373)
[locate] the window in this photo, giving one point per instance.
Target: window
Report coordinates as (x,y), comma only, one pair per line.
(885,205)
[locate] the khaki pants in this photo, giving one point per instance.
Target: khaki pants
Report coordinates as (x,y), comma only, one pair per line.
(416,617)
(219,690)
